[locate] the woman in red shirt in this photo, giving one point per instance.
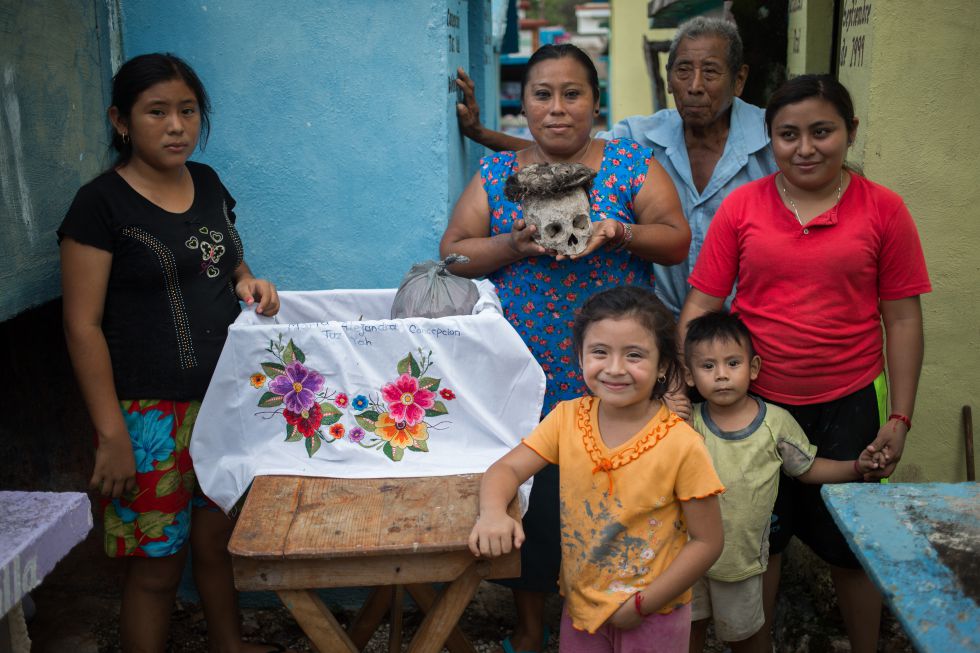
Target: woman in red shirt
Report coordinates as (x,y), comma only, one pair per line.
(823,258)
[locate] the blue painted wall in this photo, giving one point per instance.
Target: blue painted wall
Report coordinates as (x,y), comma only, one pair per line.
(334,124)
(53,95)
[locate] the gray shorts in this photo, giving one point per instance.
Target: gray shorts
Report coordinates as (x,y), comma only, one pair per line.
(736,607)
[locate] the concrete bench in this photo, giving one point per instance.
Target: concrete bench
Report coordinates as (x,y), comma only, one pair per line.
(37,529)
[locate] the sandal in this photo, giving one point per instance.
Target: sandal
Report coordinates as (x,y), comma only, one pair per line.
(509,648)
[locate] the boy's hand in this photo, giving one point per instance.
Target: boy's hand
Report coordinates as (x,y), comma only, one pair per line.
(626,617)
(680,403)
(870,460)
(495,535)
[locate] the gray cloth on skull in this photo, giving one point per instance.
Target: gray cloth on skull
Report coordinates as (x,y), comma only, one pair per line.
(555,198)
(430,290)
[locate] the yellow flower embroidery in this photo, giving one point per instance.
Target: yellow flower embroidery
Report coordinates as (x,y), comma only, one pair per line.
(257,380)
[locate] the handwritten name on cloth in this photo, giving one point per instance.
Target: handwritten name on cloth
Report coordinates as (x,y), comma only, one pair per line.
(330,387)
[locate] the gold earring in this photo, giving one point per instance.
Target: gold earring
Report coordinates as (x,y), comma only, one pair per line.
(662,378)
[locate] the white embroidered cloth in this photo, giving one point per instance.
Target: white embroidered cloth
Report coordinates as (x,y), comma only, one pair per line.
(331,387)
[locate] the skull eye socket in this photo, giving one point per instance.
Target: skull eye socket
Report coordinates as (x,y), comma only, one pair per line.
(552,230)
(580,221)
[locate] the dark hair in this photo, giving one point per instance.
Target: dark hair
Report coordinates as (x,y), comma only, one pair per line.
(805,87)
(717,326)
(559,51)
(139,74)
(648,310)
(703,26)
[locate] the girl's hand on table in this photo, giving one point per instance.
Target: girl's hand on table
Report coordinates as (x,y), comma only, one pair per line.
(250,290)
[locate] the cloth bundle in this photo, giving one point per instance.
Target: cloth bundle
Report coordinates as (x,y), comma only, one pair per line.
(331,387)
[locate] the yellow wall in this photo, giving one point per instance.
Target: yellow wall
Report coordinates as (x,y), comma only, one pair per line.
(630,87)
(916,96)
(809,35)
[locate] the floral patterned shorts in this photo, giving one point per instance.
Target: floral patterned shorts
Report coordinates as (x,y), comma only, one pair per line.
(153,519)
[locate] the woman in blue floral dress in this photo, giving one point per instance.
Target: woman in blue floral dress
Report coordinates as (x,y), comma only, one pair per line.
(636,219)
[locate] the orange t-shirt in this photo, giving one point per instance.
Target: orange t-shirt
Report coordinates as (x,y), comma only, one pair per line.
(621,517)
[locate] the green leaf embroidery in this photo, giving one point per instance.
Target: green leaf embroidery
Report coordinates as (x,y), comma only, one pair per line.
(293,353)
(429,383)
(270,400)
(168,484)
(367,420)
(312,445)
(437,409)
(395,453)
(153,522)
(272,370)
(408,365)
(420,445)
(293,434)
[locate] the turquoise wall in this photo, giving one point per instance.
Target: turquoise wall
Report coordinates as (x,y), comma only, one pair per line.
(334,124)
(53,94)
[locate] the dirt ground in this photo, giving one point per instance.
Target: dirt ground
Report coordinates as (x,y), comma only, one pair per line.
(77,609)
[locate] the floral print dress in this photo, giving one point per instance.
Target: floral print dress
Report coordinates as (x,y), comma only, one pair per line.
(539,294)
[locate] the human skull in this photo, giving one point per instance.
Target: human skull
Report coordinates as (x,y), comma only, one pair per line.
(562,222)
(556,201)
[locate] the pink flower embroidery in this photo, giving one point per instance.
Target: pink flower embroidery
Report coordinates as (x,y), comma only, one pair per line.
(406,400)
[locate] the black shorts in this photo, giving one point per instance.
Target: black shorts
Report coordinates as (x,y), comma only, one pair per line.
(840,429)
(541,552)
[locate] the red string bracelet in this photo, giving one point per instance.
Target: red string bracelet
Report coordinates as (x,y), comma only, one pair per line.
(637,602)
(903,419)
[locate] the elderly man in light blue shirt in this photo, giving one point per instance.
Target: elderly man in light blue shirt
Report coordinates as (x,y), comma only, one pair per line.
(712,143)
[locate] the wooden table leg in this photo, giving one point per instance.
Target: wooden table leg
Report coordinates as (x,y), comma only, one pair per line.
(424,596)
(448,608)
(317,621)
(395,631)
(369,617)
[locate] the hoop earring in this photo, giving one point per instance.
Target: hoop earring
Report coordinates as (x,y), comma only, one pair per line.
(662,378)
(125,138)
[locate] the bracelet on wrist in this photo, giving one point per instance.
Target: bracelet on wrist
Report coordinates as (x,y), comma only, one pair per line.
(627,236)
(903,419)
(638,602)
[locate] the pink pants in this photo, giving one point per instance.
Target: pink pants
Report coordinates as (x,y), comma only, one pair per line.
(659,633)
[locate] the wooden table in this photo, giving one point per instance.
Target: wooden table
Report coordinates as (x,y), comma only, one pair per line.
(920,544)
(297,534)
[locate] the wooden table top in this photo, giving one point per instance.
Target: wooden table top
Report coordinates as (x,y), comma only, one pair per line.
(300,517)
(920,543)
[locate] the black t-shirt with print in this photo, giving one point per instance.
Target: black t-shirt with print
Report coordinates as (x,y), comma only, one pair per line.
(170,296)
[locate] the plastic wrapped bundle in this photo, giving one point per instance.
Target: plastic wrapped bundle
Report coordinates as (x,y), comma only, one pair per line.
(430,290)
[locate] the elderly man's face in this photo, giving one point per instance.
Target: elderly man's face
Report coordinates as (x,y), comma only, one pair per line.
(701,81)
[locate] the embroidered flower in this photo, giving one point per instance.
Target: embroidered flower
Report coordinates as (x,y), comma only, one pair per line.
(150,433)
(305,421)
(337,431)
(406,400)
(297,386)
(400,433)
(447,394)
(360,402)
(257,380)
(356,434)
(341,400)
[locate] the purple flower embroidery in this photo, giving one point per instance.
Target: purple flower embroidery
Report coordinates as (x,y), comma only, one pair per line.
(356,434)
(298,387)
